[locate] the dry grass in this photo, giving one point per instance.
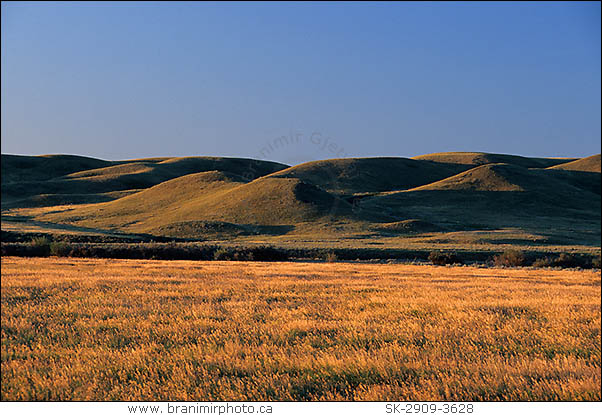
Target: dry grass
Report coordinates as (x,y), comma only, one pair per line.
(155,330)
(475,159)
(360,202)
(591,163)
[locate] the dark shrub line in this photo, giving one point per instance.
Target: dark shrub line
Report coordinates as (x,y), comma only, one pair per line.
(568,261)
(42,246)
(517,258)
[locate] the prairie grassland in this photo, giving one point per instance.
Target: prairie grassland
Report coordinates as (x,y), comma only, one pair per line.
(101,329)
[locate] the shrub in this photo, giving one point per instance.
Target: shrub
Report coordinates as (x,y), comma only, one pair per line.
(543,262)
(258,253)
(268,253)
(510,258)
(444,258)
(60,249)
(222,254)
(565,260)
(330,257)
(242,256)
(40,241)
(81,251)
(568,261)
(40,246)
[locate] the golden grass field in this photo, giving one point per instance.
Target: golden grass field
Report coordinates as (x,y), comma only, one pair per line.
(104,329)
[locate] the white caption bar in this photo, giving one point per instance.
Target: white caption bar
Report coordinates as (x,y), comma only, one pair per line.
(300,408)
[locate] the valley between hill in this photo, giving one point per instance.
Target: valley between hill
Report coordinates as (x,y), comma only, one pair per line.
(471,202)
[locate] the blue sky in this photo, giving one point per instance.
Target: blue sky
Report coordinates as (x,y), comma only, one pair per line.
(300,81)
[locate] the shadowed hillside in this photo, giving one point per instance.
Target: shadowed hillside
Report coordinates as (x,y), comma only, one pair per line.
(476,159)
(40,168)
(502,177)
(196,200)
(455,200)
(503,196)
(489,177)
(381,174)
(27,181)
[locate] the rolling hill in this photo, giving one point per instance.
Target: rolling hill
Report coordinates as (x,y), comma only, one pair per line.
(27,181)
(350,176)
(211,197)
(477,159)
(388,201)
(589,164)
(502,177)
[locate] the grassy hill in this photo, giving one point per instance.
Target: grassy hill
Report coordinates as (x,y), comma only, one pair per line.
(27,181)
(453,200)
(349,176)
(539,204)
(39,168)
(589,164)
(477,159)
(501,177)
(489,177)
(201,200)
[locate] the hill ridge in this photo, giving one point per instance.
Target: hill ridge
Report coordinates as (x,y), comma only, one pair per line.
(357,198)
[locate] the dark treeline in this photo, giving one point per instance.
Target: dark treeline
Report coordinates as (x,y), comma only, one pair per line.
(42,246)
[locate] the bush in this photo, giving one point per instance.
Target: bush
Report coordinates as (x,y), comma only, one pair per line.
(40,246)
(543,262)
(243,256)
(233,254)
(60,249)
(258,253)
(268,253)
(222,254)
(568,261)
(565,260)
(40,241)
(331,257)
(444,258)
(510,258)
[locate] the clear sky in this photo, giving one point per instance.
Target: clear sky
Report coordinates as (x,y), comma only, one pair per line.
(300,81)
